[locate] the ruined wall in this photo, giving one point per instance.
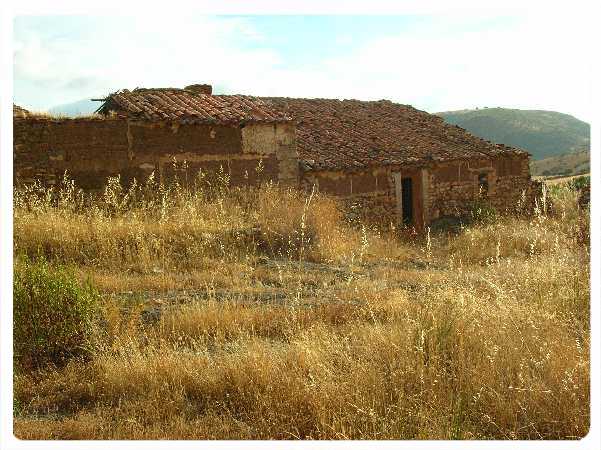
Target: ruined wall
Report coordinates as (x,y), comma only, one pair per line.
(184,150)
(91,149)
(514,187)
(454,186)
(277,143)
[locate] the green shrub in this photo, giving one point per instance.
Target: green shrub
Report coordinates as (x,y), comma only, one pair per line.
(580,183)
(54,315)
(482,212)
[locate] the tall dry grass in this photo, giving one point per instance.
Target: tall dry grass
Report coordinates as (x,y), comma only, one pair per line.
(479,335)
(171,228)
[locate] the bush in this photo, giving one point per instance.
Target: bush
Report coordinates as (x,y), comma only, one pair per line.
(482,212)
(54,314)
(580,183)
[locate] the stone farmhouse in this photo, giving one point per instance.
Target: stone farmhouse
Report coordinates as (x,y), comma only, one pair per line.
(389,161)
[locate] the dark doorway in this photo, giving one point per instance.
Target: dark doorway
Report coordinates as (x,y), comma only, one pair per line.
(483,185)
(407,199)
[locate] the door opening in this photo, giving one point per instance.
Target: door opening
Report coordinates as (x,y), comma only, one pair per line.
(407,200)
(483,185)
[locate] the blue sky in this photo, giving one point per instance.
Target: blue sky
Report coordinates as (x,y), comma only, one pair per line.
(434,62)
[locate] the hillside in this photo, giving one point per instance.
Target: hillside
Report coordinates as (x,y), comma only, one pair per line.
(542,133)
(573,163)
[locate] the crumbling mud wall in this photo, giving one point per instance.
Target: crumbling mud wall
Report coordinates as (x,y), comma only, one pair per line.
(92,149)
(89,149)
(171,150)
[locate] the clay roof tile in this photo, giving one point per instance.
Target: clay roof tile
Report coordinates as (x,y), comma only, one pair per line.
(352,133)
(192,107)
(330,133)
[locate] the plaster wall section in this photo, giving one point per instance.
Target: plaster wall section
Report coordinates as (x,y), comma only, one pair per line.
(276,140)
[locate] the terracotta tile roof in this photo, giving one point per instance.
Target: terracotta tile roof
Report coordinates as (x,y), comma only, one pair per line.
(331,134)
(186,106)
(335,134)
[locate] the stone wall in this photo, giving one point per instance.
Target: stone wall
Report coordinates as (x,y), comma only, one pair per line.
(455,186)
(439,190)
(366,195)
(92,149)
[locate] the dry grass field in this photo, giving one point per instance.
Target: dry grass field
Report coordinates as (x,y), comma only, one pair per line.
(553,180)
(220,313)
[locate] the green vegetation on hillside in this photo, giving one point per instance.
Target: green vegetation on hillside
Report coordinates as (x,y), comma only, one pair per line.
(542,133)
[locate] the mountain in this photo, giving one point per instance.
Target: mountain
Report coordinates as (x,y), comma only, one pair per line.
(80,108)
(544,134)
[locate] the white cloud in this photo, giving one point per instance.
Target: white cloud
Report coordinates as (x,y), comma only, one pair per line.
(441,63)
(535,63)
(144,51)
